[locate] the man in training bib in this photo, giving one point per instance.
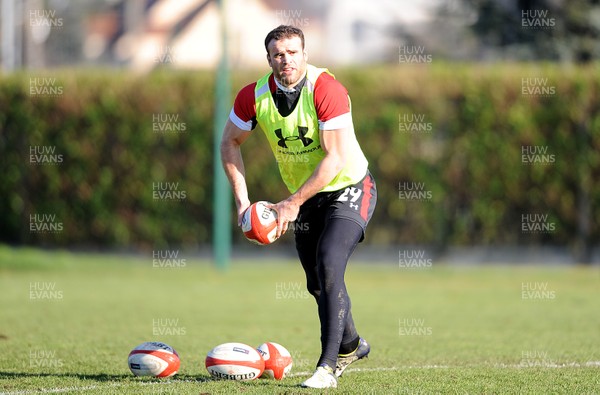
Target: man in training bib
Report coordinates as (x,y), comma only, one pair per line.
(305,114)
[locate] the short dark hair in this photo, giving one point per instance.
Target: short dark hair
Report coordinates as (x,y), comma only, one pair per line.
(283,31)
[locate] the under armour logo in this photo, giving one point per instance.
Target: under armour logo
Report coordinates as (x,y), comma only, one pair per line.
(302,132)
(354,206)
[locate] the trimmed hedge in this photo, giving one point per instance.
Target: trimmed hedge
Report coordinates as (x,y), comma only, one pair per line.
(456,132)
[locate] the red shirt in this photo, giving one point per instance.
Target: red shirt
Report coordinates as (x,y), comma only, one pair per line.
(331,103)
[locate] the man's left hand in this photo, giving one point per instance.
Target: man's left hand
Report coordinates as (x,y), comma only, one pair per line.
(287,211)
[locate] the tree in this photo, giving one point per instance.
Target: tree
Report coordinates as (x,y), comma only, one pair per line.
(531,29)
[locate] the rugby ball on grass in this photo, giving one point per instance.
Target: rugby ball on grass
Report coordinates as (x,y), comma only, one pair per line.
(234,361)
(259,223)
(153,359)
(278,361)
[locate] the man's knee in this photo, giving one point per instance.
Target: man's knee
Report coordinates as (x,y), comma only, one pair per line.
(331,266)
(313,286)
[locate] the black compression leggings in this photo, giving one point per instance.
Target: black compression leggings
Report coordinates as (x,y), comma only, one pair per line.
(324,260)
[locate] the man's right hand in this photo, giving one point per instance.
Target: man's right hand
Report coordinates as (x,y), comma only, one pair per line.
(241,210)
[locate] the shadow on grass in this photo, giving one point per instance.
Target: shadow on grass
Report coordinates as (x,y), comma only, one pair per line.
(283,387)
(103,377)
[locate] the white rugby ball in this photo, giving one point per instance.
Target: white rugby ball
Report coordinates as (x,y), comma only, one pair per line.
(259,223)
(278,360)
(234,361)
(153,359)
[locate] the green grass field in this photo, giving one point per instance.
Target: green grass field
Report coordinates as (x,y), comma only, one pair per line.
(68,322)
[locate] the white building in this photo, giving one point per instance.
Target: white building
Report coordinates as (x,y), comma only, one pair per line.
(187,33)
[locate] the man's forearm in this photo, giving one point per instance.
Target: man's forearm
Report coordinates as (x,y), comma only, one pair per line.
(233,164)
(326,171)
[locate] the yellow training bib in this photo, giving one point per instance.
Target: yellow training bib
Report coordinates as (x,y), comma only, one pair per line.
(295,140)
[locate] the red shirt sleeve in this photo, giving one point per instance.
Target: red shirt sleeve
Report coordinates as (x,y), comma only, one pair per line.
(331,98)
(243,114)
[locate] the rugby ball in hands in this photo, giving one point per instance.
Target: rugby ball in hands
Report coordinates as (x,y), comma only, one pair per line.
(259,223)
(153,359)
(278,361)
(234,361)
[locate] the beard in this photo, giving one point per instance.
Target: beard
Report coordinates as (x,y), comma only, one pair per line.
(288,80)
(291,79)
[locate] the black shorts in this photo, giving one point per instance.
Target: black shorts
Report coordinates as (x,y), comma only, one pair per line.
(356,203)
